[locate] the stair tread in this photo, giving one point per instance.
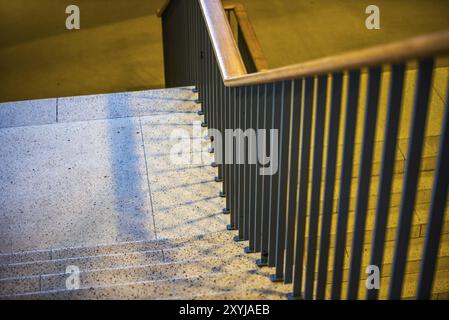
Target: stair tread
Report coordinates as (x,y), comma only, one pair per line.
(182,288)
(441,285)
(121,275)
(116,248)
(126,259)
(430,153)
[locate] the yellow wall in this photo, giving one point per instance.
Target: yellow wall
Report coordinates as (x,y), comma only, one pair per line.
(293,31)
(118,48)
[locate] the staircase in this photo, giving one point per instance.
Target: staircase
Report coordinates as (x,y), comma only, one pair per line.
(169,241)
(204,267)
(187,254)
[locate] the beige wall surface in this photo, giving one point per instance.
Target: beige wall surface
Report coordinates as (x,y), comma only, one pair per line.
(118,48)
(293,31)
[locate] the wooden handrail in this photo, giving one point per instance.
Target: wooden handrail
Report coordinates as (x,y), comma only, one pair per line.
(429,45)
(223,42)
(234,73)
(255,50)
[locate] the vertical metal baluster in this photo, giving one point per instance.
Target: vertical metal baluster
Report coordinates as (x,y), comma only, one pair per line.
(185,44)
(191,44)
(345,182)
(274,175)
(211,81)
(365,171)
(227,179)
(247,192)
(284,156)
(195,44)
(293,183)
(268,98)
(205,77)
(242,232)
(218,109)
(188,34)
(184,41)
(241,166)
(252,169)
(221,102)
(303,186)
(210,107)
(230,158)
(259,185)
(437,211)
(320,117)
(413,164)
(387,170)
(235,164)
(201,88)
(329,184)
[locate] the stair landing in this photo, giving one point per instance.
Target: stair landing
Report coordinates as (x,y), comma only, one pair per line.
(96,170)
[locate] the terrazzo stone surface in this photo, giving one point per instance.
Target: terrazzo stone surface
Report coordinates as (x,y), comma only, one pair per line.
(103,174)
(116,248)
(174,288)
(151,272)
(185,196)
(83,263)
(73,184)
(103,189)
(27,113)
(126,104)
(23,285)
(408,291)
(18,257)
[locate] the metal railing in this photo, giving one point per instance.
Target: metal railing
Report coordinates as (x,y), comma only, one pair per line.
(246,39)
(287,216)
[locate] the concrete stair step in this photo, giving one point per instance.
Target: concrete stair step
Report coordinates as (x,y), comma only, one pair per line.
(441,286)
(58,266)
(413,259)
(441,296)
(423,195)
(418,230)
(133,274)
(424,190)
(127,259)
(414,252)
(430,153)
(423,210)
(420,217)
(412,269)
(180,288)
(117,248)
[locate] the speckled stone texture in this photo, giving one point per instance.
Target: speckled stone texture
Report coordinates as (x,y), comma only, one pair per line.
(96,187)
(27,113)
(98,171)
